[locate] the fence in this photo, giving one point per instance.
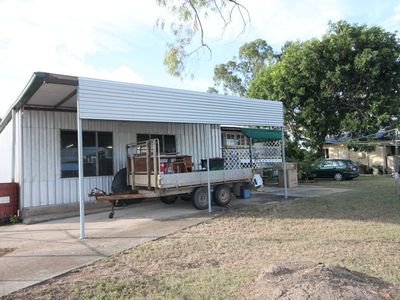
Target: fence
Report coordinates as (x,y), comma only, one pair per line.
(261,155)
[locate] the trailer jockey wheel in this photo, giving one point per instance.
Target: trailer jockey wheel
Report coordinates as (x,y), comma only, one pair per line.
(111,214)
(200,198)
(169,199)
(222,195)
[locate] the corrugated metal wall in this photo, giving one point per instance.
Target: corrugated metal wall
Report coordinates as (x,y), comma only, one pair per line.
(42,182)
(110,100)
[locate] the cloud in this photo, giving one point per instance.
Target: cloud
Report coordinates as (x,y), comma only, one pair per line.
(278,21)
(123,73)
(82,37)
(59,36)
(393,23)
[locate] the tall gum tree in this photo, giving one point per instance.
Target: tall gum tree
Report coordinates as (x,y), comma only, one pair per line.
(188,27)
(234,76)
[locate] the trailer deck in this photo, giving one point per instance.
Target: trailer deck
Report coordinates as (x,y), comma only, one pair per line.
(150,174)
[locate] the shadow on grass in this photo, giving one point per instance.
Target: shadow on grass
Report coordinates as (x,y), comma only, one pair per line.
(368,199)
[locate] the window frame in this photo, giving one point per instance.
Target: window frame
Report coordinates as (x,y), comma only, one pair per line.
(96,134)
(233,139)
(162,141)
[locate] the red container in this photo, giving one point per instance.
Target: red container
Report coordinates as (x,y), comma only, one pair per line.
(162,168)
(8,200)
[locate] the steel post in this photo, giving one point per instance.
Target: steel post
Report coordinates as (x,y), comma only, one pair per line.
(284,163)
(208,166)
(80,173)
(396,166)
(13,143)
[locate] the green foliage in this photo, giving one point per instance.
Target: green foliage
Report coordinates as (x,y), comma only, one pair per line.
(173,60)
(235,75)
(304,158)
(293,151)
(212,90)
(306,166)
(348,81)
(187,27)
(14,219)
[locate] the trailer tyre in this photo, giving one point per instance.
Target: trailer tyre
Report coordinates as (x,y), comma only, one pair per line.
(169,199)
(119,183)
(200,198)
(222,195)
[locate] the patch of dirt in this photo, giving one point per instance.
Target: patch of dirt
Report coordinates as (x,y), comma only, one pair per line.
(306,280)
(4,251)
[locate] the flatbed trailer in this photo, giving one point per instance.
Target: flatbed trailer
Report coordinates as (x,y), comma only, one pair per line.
(152,175)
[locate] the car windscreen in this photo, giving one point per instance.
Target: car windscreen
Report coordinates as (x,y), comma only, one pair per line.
(350,162)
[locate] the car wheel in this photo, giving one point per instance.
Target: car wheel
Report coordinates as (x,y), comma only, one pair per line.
(338,177)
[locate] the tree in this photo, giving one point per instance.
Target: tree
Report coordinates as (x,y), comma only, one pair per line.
(235,75)
(348,81)
(212,90)
(190,16)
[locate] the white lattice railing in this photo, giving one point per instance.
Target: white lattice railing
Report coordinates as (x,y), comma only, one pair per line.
(261,155)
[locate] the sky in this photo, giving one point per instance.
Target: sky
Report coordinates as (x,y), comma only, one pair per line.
(118,40)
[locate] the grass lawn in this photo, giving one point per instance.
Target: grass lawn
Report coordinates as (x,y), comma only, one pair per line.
(358,229)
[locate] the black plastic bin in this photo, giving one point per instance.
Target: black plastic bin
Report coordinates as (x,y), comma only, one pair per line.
(215,164)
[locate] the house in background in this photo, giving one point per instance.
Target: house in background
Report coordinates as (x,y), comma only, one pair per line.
(382,157)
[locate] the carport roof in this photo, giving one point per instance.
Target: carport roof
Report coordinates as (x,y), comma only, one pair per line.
(110,100)
(46,91)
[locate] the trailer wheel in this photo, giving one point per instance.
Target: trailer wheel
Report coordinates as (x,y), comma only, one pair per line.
(169,199)
(200,198)
(222,195)
(119,184)
(111,215)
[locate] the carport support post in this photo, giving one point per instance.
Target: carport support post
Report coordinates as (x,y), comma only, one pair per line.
(208,166)
(396,165)
(284,163)
(13,142)
(80,173)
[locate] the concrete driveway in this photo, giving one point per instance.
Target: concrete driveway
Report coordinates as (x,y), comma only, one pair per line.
(44,250)
(40,251)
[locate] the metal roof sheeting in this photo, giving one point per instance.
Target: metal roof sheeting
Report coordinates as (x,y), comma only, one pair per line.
(110,100)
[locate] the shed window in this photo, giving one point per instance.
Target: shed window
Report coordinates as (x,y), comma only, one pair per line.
(97,153)
(167,142)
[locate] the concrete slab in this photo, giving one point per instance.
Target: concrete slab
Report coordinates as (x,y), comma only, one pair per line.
(45,250)
(42,251)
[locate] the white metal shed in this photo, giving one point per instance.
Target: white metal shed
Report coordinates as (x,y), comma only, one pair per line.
(51,102)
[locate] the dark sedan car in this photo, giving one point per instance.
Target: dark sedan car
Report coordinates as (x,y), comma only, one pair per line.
(337,169)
